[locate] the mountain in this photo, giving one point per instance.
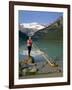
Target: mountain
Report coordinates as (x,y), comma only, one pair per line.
(22,38)
(52,32)
(30,28)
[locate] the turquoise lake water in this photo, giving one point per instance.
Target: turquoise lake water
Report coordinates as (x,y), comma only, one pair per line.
(53,48)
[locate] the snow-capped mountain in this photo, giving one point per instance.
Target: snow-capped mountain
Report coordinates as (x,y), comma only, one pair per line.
(30,28)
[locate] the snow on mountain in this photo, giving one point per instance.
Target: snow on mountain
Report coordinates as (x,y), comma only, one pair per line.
(34,26)
(30,28)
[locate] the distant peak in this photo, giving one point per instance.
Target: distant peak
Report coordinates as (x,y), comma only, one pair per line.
(33,25)
(30,28)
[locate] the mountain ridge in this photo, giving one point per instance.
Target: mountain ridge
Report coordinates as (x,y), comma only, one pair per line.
(53,31)
(30,28)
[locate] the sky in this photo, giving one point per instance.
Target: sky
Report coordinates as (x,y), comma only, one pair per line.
(40,17)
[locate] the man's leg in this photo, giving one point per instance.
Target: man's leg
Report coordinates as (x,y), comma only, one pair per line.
(29,50)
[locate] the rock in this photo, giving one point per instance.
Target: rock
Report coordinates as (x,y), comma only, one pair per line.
(33,69)
(24,71)
(30,59)
(27,66)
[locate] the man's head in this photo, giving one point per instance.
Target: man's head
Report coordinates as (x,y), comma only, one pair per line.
(29,37)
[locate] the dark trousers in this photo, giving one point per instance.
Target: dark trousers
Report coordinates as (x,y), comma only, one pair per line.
(29,50)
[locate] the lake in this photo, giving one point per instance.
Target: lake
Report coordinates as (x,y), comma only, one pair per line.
(53,48)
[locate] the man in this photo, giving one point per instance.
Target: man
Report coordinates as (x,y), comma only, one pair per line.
(29,45)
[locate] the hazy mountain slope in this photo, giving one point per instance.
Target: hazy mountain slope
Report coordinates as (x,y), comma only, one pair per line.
(52,32)
(22,38)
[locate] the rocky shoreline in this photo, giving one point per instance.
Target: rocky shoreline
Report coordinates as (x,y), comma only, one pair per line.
(29,69)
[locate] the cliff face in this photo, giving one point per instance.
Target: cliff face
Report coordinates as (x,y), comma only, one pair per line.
(52,32)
